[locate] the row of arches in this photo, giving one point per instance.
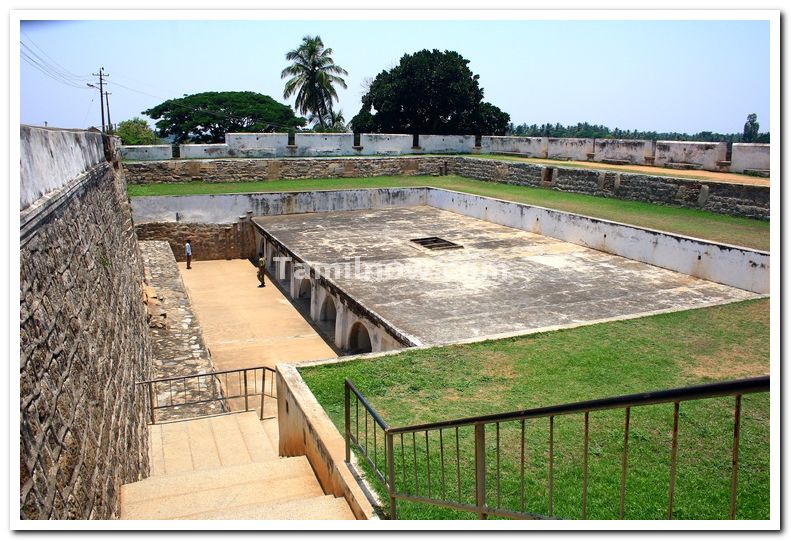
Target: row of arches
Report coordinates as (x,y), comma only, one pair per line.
(356,341)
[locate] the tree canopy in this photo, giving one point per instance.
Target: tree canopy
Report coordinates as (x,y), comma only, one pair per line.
(136,132)
(208,116)
(429,92)
(314,75)
(598,131)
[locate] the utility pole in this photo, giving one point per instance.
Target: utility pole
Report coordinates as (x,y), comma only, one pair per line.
(101,75)
(107,102)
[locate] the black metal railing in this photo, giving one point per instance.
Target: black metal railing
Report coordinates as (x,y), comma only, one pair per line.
(210,393)
(453,466)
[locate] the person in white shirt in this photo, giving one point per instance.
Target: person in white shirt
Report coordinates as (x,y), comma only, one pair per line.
(188,251)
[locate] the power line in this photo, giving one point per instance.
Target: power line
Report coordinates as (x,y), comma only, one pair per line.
(60,74)
(49,67)
(50,58)
(46,71)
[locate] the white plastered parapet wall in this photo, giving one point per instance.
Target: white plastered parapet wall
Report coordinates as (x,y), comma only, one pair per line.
(735,266)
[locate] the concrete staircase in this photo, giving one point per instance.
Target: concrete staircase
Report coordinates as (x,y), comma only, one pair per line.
(225,467)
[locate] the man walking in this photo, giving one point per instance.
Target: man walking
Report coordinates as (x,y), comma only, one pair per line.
(188,251)
(261,269)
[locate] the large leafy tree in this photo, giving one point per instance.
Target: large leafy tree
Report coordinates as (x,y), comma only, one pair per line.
(429,92)
(208,116)
(136,132)
(313,76)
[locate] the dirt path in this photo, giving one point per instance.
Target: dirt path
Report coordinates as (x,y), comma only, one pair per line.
(714,176)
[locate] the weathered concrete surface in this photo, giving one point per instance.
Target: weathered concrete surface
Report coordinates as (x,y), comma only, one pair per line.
(305,429)
(146,152)
(735,266)
(211,150)
(730,265)
(704,154)
(446,143)
(49,159)
(226,208)
(384,144)
(324,144)
(630,150)
(256,145)
(246,326)
(442,297)
(749,156)
(534,147)
(569,147)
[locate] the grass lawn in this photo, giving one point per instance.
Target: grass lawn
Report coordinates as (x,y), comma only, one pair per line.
(596,361)
(695,223)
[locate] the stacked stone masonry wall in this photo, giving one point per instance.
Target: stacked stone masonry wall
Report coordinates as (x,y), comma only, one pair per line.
(749,201)
(84,343)
(725,198)
(208,241)
(241,169)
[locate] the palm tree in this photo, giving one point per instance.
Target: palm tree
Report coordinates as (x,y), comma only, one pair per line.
(313,76)
(332,121)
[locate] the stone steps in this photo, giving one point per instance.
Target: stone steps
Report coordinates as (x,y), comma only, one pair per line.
(318,508)
(226,467)
(208,443)
(247,489)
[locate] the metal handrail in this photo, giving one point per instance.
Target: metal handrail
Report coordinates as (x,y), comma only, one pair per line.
(735,388)
(218,389)
(693,392)
(354,439)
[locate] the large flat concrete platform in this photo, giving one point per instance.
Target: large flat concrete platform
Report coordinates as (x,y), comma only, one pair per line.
(503,280)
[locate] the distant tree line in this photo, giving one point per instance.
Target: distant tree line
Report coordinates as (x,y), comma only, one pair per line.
(598,131)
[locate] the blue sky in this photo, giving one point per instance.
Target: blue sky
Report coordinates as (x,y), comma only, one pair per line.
(685,76)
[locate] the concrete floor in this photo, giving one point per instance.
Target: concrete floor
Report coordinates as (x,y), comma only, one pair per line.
(244,325)
(442,297)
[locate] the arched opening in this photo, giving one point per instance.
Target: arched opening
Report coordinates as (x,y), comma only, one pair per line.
(359,339)
(287,274)
(303,295)
(328,311)
(327,317)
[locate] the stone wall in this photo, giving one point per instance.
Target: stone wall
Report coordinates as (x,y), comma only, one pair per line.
(706,155)
(749,156)
(533,147)
(384,144)
(446,143)
(146,152)
(48,159)
(735,199)
(324,144)
(635,151)
(209,241)
(230,170)
(83,344)
(569,148)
